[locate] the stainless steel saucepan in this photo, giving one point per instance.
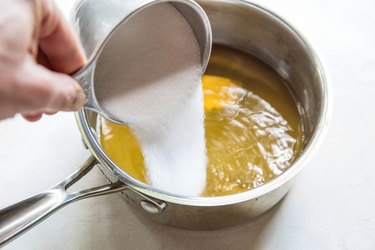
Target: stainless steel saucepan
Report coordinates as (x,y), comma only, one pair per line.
(235,23)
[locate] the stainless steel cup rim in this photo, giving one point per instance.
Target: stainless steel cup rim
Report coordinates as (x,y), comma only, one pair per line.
(192,4)
(89,136)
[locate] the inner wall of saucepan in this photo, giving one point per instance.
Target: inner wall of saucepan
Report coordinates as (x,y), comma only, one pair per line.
(259,33)
(266,37)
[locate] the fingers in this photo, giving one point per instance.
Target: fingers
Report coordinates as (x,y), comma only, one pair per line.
(57,41)
(29,88)
(32,117)
(43,60)
(38,90)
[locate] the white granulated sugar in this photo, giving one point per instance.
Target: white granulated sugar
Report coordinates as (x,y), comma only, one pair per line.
(149,75)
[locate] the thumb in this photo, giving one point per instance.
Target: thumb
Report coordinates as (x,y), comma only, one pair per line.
(41,90)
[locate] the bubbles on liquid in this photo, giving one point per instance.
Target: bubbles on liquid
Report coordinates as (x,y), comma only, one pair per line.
(248,141)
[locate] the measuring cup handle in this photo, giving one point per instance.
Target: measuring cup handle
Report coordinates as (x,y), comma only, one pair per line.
(84,78)
(18,218)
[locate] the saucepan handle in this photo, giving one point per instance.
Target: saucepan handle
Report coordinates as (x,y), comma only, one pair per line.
(18,218)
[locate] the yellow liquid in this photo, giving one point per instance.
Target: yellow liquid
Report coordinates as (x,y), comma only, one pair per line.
(253,128)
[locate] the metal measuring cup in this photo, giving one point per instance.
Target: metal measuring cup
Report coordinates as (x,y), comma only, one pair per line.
(190,10)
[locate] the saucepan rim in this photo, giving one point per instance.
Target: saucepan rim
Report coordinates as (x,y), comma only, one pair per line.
(89,137)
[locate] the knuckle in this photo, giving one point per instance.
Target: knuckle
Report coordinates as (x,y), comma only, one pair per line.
(69,97)
(65,95)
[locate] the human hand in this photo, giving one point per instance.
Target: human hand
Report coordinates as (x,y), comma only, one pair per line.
(37,51)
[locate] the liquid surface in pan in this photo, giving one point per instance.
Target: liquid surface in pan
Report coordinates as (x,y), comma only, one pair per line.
(253,128)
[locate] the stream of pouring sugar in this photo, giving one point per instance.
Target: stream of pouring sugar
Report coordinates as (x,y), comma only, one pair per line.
(158,57)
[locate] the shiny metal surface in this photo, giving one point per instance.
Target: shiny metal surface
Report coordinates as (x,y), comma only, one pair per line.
(116,14)
(256,31)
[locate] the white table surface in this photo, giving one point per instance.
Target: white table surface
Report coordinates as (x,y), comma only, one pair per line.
(331,206)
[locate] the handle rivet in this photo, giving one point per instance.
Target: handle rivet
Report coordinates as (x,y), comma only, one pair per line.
(149,207)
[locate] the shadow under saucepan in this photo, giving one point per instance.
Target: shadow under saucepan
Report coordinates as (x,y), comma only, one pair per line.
(152,235)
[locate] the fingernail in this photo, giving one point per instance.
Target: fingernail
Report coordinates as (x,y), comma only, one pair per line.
(50,112)
(33,117)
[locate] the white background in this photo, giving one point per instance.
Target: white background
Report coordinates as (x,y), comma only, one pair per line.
(331,206)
